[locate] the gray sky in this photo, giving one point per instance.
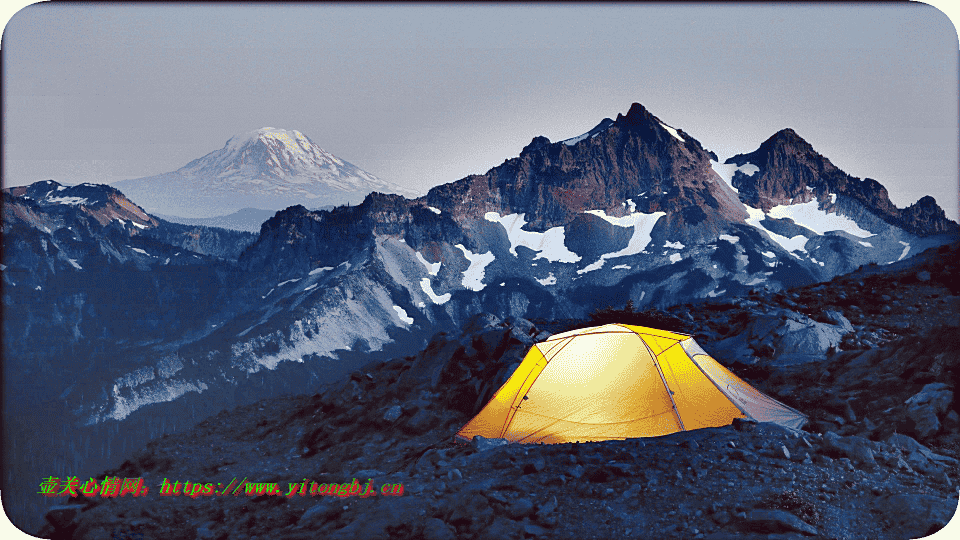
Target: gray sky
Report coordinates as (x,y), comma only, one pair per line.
(427,94)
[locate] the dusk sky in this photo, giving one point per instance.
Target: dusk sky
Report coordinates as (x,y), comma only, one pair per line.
(427,94)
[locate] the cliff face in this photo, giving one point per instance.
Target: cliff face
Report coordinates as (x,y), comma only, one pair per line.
(791,172)
(636,157)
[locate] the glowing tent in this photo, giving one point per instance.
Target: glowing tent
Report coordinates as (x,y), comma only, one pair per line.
(619,381)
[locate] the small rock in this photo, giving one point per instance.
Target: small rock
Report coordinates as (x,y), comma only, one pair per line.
(576,471)
(320,513)
(536,465)
(598,474)
(393,413)
(520,508)
(548,507)
(534,530)
(482,444)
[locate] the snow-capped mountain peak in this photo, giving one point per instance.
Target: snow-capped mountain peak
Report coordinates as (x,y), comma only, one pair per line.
(272,156)
(295,146)
(268,168)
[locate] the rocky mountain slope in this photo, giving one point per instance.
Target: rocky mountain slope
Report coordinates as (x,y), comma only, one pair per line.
(267,169)
(632,209)
(96,296)
(878,459)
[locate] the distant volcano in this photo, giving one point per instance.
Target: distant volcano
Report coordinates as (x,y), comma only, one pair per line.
(268,168)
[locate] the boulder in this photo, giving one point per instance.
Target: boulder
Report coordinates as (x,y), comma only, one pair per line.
(918,454)
(853,447)
(392,414)
(838,319)
(482,444)
(522,325)
(788,336)
(923,409)
(520,508)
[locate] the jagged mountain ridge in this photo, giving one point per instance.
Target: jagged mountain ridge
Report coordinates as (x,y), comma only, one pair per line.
(791,171)
(268,168)
(633,209)
(636,157)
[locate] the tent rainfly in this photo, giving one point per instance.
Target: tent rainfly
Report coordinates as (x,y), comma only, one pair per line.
(619,381)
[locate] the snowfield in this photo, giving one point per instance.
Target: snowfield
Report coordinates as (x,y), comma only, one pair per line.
(473,276)
(809,216)
(428,288)
(548,245)
(432,268)
(403,315)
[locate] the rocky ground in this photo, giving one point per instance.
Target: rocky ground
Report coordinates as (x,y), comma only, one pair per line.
(871,357)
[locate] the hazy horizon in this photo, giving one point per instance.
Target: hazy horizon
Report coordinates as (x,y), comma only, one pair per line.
(427,94)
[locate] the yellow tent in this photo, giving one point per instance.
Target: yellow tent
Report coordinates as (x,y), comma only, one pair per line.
(619,381)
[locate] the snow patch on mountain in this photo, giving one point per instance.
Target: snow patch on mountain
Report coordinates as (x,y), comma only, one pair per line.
(73,201)
(428,288)
(675,258)
(403,315)
(728,238)
(674,245)
(673,132)
(548,245)
(906,249)
(819,221)
(726,171)
(574,140)
(549,280)
(432,268)
(316,271)
(642,226)
(595,265)
(795,243)
(473,275)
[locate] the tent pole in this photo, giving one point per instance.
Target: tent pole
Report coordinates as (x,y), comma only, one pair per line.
(656,362)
